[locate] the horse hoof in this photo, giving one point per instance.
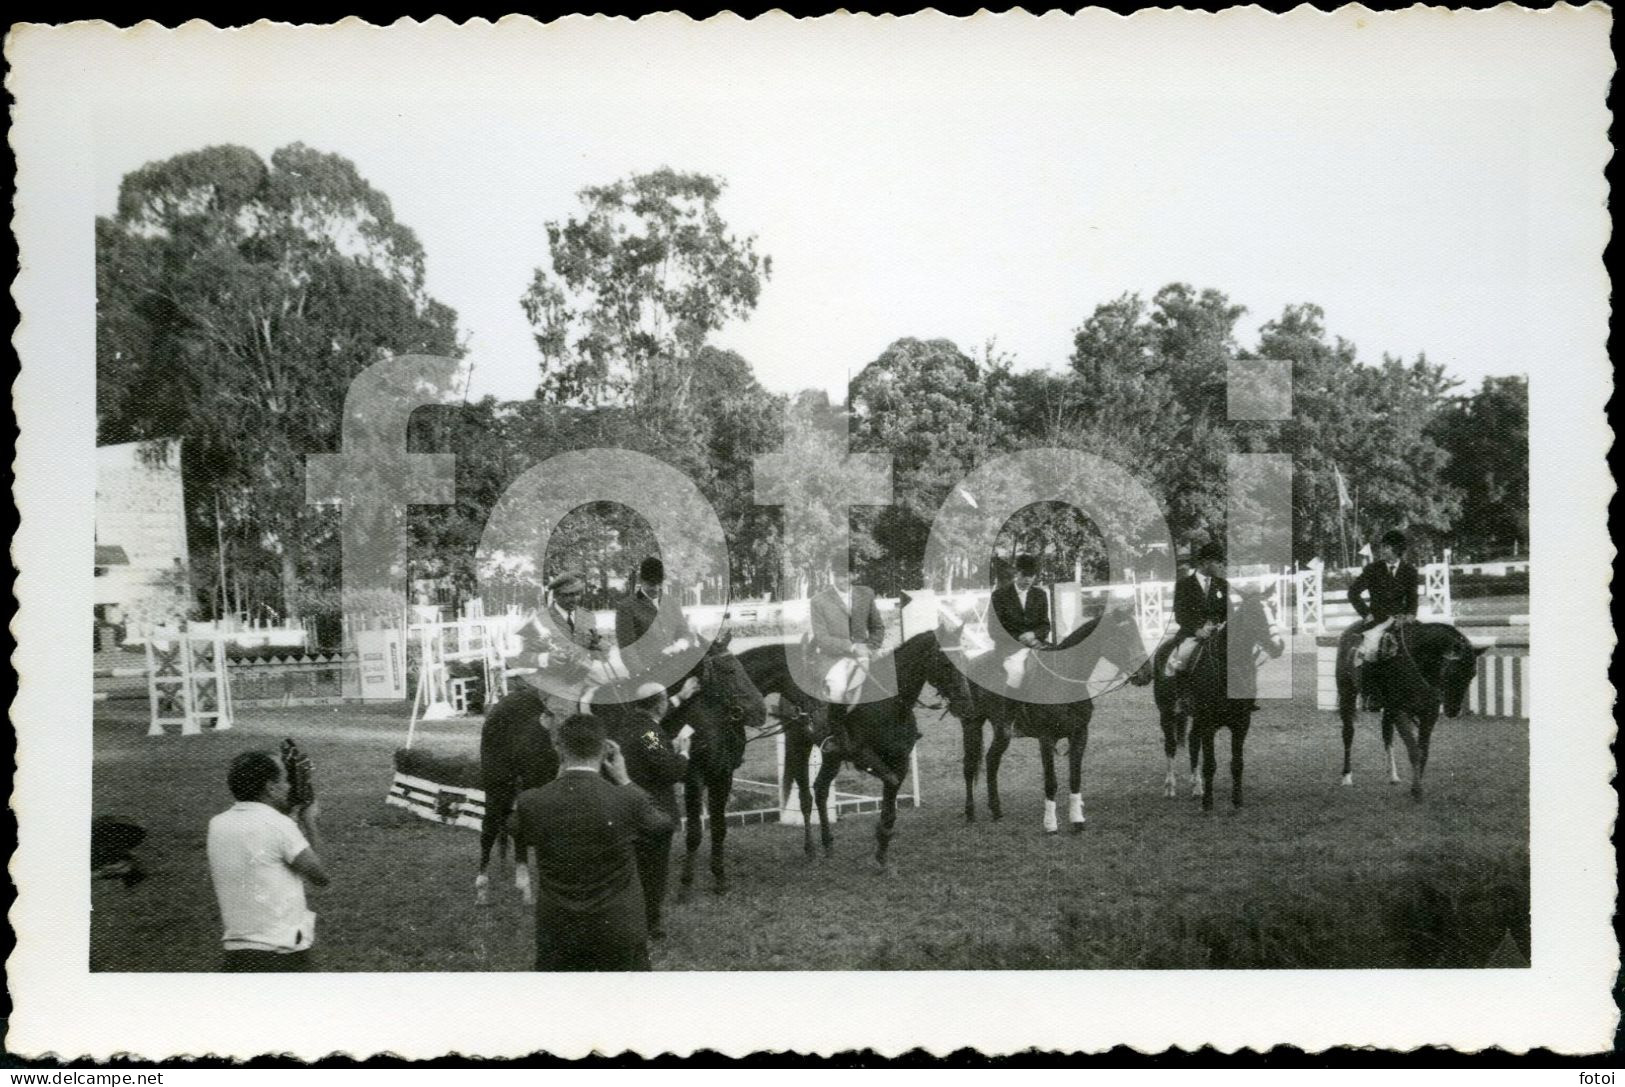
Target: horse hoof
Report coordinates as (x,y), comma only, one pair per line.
(995,815)
(482,891)
(1207,803)
(1348,779)
(1416,792)
(720,887)
(1077,828)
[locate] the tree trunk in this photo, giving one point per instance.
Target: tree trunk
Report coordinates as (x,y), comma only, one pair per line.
(290,585)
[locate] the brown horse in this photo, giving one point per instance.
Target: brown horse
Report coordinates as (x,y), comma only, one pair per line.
(725,706)
(1433,668)
(1059,706)
(516,753)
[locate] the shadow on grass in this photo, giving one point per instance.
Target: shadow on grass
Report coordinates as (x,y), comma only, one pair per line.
(1443,913)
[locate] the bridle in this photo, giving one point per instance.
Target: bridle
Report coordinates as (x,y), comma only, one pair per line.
(1123,678)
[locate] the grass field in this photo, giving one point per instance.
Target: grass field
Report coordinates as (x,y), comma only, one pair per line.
(1308,874)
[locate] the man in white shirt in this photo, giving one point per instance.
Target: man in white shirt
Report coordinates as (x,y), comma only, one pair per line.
(259,860)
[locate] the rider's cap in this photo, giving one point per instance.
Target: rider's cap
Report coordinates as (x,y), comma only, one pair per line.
(1394,538)
(567,582)
(649,690)
(652,571)
(1026,565)
(1212,551)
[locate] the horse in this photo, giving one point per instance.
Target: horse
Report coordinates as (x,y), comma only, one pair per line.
(726,704)
(769,667)
(1174,720)
(881,726)
(516,753)
(1434,667)
(1060,708)
(1213,704)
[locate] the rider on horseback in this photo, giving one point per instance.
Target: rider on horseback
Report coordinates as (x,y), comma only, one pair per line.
(847,631)
(1022,610)
(1201,598)
(646,612)
(1384,591)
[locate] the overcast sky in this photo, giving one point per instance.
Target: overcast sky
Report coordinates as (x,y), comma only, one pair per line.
(973,181)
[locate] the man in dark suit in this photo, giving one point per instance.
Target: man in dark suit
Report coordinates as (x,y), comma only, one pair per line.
(1022,611)
(656,765)
(1201,600)
(1384,591)
(645,610)
(581,832)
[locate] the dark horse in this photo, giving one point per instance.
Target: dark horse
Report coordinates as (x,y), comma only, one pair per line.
(725,706)
(1058,706)
(1434,666)
(799,715)
(1214,704)
(516,753)
(881,726)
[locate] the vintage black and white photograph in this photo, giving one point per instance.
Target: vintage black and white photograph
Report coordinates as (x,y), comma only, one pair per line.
(1029,498)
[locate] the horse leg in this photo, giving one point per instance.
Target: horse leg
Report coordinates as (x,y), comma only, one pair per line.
(1407,734)
(1206,733)
(886,827)
(717,796)
(1166,720)
(1046,752)
(1074,765)
(1388,749)
(498,798)
(826,777)
(1424,739)
(1238,739)
(692,800)
(995,757)
(798,751)
(1346,710)
(971,732)
(1194,741)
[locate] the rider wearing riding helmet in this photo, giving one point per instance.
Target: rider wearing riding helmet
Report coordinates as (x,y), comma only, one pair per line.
(1385,590)
(1201,598)
(1022,610)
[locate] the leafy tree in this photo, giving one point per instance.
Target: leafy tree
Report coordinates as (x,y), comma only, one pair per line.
(237,298)
(634,287)
(1486,437)
(937,412)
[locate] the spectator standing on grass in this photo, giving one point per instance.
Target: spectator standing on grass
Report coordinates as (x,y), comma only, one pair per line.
(259,860)
(656,764)
(581,832)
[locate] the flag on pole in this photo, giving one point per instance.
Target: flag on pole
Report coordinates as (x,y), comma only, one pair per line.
(1342,489)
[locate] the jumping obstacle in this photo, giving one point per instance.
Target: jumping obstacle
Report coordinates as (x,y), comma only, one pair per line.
(188,681)
(471,638)
(1500,688)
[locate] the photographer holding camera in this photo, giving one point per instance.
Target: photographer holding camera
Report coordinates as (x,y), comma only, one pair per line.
(581,833)
(261,852)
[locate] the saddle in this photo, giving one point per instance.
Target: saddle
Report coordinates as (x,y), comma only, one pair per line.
(1389,645)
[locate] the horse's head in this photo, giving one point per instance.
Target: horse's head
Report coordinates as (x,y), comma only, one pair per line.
(726,688)
(1122,644)
(1458,664)
(1249,623)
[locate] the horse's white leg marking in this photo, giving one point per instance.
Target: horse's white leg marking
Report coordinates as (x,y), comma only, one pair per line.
(1074,811)
(521,880)
(1348,779)
(482,890)
(1393,767)
(1051,826)
(1170,783)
